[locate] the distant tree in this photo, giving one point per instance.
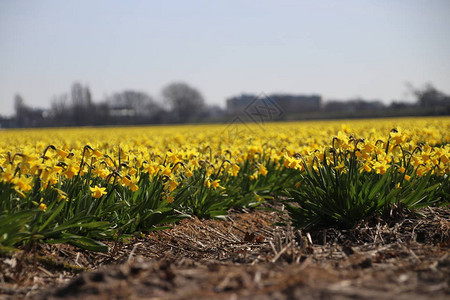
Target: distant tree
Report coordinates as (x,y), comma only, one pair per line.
(19,103)
(429,96)
(22,111)
(60,111)
(131,102)
(133,107)
(27,116)
(83,112)
(186,103)
(155,113)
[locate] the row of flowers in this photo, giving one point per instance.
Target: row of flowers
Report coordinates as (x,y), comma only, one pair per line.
(136,178)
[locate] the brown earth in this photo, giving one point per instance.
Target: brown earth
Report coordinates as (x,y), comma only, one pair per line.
(246,257)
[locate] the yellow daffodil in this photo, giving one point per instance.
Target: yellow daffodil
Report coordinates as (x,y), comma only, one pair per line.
(171,185)
(63,154)
(98,192)
(262,170)
(42,207)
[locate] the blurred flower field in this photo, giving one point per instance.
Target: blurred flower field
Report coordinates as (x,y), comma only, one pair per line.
(85,185)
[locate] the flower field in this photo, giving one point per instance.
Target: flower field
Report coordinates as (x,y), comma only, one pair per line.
(85,185)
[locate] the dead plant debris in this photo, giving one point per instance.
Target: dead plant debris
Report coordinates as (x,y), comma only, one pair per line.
(246,257)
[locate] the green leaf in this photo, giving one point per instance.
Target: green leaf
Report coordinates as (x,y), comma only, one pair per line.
(81,242)
(52,216)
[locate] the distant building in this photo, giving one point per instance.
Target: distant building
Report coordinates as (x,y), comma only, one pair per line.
(30,117)
(121,111)
(287,104)
(353,105)
(6,122)
(237,105)
(294,104)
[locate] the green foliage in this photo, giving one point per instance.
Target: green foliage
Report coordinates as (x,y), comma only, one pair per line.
(80,219)
(338,192)
(199,199)
(334,191)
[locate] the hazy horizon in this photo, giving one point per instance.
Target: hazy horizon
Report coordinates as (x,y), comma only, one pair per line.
(340,50)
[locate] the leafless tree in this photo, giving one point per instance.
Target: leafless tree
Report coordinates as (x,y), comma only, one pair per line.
(82,108)
(186,103)
(22,111)
(133,107)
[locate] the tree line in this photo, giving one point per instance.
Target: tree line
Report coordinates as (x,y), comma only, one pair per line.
(181,103)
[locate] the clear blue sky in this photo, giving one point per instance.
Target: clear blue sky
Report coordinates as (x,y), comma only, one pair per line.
(339,49)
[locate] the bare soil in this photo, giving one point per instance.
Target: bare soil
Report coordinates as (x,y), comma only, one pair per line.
(246,257)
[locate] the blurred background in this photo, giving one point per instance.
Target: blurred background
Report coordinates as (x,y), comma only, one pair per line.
(87,63)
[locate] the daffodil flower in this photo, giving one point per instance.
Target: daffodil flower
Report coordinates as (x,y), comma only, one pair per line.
(98,192)
(42,207)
